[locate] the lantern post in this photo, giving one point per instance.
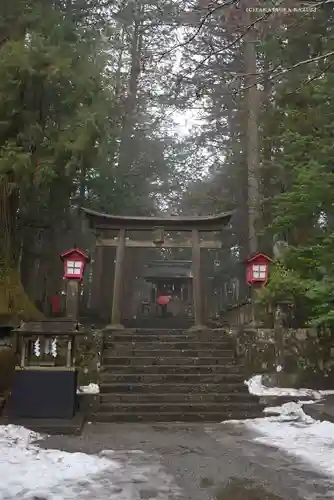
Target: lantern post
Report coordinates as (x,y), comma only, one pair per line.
(75,262)
(257,270)
(257,273)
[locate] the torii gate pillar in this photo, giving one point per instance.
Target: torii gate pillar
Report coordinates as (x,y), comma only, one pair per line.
(117,295)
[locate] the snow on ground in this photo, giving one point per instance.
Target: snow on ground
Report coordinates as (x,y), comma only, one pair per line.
(256,387)
(28,472)
(299,435)
(89,389)
(290,411)
(291,429)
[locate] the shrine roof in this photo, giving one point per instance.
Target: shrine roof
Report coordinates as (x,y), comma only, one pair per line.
(72,252)
(100,220)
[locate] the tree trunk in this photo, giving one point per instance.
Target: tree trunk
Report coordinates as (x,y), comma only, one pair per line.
(266,169)
(126,153)
(252,139)
(14,303)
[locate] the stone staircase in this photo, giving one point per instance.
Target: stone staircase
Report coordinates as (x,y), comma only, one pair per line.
(163,375)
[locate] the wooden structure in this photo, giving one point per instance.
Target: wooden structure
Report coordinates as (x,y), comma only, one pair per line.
(169,274)
(45,379)
(174,276)
(103,224)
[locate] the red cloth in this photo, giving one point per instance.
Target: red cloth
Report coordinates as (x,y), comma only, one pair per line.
(163,300)
(55,304)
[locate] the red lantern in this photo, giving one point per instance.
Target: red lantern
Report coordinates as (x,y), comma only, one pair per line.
(74,263)
(258,269)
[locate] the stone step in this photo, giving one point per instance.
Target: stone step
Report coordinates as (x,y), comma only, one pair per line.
(175,344)
(207,416)
(165,331)
(173,369)
(196,397)
(180,388)
(167,337)
(150,323)
(134,351)
(162,407)
(109,360)
(176,330)
(195,378)
(158,375)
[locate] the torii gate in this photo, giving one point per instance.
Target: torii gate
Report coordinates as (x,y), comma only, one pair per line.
(103,223)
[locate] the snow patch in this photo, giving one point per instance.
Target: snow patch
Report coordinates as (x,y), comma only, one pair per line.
(27,471)
(291,429)
(299,435)
(256,387)
(290,411)
(89,389)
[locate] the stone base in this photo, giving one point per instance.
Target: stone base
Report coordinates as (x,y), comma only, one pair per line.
(43,393)
(324,410)
(280,379)
(53,426)
(88,404)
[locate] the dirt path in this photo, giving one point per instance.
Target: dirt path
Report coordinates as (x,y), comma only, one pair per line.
(193,462)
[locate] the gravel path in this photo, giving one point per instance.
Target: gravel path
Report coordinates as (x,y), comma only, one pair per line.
(192,462)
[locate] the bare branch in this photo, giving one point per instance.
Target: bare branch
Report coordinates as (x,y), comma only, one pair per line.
(199,29)
(287,70)
(317,75)
(223,49)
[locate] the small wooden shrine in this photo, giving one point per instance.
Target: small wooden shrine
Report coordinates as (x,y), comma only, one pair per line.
(45,378)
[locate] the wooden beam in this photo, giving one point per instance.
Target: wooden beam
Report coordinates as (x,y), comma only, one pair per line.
(205,227)
(109,242)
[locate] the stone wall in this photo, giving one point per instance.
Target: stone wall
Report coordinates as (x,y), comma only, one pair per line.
(88,355)
(308,354)
(247,313)
(239,315)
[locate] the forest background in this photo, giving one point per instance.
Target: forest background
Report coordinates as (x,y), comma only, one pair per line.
(141,107)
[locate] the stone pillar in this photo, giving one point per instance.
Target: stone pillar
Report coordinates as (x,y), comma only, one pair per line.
(72,299)
(118,277)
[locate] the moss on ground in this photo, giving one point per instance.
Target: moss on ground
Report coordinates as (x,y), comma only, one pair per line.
(15,304)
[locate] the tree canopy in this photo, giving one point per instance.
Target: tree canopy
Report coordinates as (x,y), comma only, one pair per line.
(90,96)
